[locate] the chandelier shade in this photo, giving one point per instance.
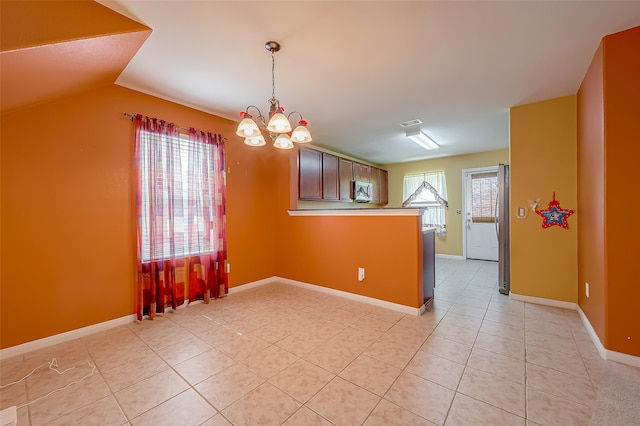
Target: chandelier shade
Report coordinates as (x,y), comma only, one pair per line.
(278,126)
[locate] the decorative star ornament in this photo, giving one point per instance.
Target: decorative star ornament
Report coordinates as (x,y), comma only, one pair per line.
(554,214)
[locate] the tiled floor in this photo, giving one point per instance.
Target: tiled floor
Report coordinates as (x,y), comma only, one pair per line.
(279,354)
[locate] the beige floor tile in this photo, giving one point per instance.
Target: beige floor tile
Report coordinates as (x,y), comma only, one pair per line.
(390,352)
(352,339)
(269,361)
(324,329)
(470,311)
(493,390)
(371,374)
(227,386)
(265,405)
(332,357)
(558,343)
(471,301)
(465,411)
(306,417)
(389,414)
(424,323)
(407,336)
(203,366)
(45,380)
(142,364)
(549,410)
(446,348)
(373,326)
(274,331)
(542,326)
(502,330)
(105,411)
(300,343)
(66,354)
(422,397)
(384,314)
(241,347)
(437,369)
(342,317)
(114,356)
(301,380)
(15,394)
(186,408)
(160,332)
(567,386)
(460,320)
(68,400)
(188,348)
(103,340)
(453,332)
(557,360)
(509,347)
(150,392)
(500,365)
(506,318)
(343,403)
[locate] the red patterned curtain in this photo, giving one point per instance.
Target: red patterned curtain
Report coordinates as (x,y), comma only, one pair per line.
(180,201)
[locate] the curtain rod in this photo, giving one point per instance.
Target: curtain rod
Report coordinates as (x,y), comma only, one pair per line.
(126,114)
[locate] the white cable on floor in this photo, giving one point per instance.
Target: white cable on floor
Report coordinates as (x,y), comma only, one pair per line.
(53,364)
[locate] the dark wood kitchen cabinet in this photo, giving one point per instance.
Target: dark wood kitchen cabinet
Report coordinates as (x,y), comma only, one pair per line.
(330,178)
(361,172)
(309,174)
(345,170)
(379,186)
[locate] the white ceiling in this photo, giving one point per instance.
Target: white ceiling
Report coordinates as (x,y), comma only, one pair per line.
(357,69)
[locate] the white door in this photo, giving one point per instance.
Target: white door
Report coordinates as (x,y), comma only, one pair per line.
(480,192)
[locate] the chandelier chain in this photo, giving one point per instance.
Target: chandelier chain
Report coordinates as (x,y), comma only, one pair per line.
(273,76)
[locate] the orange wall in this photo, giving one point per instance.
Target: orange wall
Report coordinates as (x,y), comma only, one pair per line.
(591,176)
(67,241)
(622,152)
(543,160)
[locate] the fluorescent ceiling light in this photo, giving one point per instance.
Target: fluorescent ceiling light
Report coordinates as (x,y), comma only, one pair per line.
(421,139)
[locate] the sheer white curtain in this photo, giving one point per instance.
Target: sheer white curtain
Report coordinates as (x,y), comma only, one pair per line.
(435,211)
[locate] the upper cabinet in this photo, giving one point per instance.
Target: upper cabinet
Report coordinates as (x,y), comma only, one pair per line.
(330,178)
(345,171)
(361,172)
(327,177)
(309,174)
(379,186)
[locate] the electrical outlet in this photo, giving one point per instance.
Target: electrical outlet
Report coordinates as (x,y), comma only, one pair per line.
(228,268)
(586,289)
(360,274)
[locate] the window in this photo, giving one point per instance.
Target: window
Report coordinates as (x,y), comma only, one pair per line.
(176,219)
(428,191)
(484,191)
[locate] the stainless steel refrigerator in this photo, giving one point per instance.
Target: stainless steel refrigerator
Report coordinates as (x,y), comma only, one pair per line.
(502,229)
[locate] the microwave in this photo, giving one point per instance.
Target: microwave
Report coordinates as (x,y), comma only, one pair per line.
(361,191)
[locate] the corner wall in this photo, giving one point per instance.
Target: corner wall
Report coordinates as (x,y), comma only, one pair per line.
(543,160)
(68,216)
(608,157)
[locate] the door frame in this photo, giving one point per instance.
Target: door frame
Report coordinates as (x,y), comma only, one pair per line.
(464,200)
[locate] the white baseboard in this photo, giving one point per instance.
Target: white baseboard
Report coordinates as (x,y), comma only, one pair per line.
(65,337)
(543,301)
(449,256)
(351,296)
(604,352)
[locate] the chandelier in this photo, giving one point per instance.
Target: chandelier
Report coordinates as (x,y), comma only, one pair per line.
(278,126)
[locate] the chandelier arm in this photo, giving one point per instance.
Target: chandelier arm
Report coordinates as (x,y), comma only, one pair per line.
(259,116)
(294,112)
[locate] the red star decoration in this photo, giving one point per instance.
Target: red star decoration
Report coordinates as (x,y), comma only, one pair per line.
(554,214)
